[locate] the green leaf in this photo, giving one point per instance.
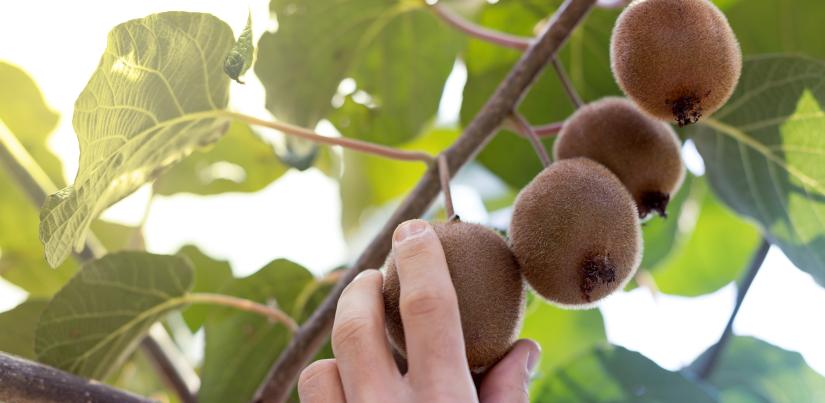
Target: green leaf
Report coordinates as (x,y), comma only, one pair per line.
(562,334)
(751,370)
(364,183)
(210,276)
(25,115)
(18,327)
(705,257)
(618,375)
(157,94)
(97,319)
(240,162)
(239,59)
(585,56)
(397,52)
(660,233)
(763,154)
(245,344)
(771,26)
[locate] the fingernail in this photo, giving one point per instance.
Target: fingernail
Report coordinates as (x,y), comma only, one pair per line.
(410,229)
(533,360)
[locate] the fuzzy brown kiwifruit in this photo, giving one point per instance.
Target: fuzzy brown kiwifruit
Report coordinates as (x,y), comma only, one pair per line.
(575,232)
(642,152)
(488,285)
(677,59)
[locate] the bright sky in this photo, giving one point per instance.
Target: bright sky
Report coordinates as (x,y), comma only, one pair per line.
(297,217)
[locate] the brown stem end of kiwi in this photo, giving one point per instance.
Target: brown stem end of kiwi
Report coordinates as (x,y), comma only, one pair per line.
(596,270)
(653,201)
(686,110)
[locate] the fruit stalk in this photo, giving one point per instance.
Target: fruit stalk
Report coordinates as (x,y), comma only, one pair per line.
(37,186)
(274,314)
(569,89)
(485,34)
(312,334)
(523,127)
(444,175)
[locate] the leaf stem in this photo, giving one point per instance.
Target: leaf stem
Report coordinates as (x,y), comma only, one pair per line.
(275,314)
(444,176)
(569,89)
(357,145)
(485,34)
(527,131)
(706,363)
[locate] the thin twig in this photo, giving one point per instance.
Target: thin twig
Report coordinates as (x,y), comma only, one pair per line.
(37,185)
(314,332)
(523,127)
(548,130)
(485,34)
(362,146)
(569,88)
(272,313)
(444,176)
(706,363)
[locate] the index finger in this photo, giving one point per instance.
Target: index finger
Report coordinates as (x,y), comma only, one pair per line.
(428,304)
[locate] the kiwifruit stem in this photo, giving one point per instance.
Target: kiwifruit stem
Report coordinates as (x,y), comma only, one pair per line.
(527,131)
(485,34)
(444,176)
(569,89)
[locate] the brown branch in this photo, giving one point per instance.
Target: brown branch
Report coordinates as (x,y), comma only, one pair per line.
(523,127)
(444,177)
(37,185)
(356,145)
(24,381)
(314,332)
(474,30)
(548,130)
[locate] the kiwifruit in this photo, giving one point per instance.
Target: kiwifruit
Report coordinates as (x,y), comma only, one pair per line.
(488,285)
(576,233)
(642,152)
(677,59)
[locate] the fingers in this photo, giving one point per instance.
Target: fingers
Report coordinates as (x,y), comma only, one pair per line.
(320,383)
(429,307)
(360,343)
(508,380)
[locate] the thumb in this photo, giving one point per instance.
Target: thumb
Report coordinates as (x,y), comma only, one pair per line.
(507,381)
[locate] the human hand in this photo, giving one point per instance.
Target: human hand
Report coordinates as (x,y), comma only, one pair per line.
(363,369)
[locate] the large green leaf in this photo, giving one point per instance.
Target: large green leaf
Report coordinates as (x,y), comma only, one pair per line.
(97,319)
(157,94)
(706,256)
(763,153)
(211,275)
(562,334)
(770,26)
(25,116)
(245,344)
(751,370)
(618,375)
(239,162)
(18,327)
(365,181)
(398,54)
(585,57)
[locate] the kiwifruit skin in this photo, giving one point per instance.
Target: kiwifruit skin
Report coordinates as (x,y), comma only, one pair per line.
(575,212)
(644,153)
(488,285)
(670,52)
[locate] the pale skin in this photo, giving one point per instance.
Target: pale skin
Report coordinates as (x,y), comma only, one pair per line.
(363,369)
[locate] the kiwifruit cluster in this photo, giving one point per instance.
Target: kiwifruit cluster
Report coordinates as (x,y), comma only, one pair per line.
(644,153)
(677,59)
(488,285)
(575,233)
